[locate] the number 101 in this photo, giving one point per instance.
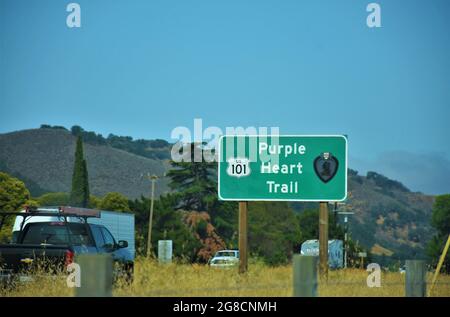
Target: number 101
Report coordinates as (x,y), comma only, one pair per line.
(238,169)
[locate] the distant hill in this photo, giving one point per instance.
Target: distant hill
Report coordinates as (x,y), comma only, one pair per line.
(389,219)
(389,216)
(43,158)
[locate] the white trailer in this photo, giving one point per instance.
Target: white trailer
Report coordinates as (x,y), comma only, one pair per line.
(335,251)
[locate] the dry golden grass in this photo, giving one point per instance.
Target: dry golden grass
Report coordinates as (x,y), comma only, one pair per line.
(41,286)
(152,279)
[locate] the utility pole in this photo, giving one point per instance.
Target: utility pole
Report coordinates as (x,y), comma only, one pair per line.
(153,179)
(323,239)
(346,214)
(243,251)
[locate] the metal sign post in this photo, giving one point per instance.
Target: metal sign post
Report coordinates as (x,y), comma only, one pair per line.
(243,222)
(323,239)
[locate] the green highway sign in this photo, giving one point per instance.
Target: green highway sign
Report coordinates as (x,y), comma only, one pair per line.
(283,167)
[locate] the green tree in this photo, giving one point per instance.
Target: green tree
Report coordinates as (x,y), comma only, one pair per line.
(87,192)
(194,182)
(53,199)
(195,187)
(309,225)
(76,130)
(79,195)
(224,217)
(440,219)
(308,221)
(13,193)
(13,196)
(114,202)
(274,233)
(94,201)
(167,224)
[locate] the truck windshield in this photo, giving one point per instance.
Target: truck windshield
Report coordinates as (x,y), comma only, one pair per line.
(56,233)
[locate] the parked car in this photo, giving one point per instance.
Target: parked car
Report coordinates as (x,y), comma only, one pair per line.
(52,237)
(227,253)
(225,258)
(224,262)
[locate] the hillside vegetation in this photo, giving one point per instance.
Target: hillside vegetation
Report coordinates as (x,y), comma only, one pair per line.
(43,159)
(389,219)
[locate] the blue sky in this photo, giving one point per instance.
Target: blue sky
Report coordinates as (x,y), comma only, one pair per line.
(141,68)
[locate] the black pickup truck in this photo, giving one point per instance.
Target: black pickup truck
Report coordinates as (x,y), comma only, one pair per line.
(51,246)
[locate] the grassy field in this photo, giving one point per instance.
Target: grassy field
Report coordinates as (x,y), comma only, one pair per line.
(152,279)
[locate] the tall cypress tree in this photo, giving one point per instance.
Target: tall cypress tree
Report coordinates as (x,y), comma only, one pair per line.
(79,196)
(86,185)
(194,182)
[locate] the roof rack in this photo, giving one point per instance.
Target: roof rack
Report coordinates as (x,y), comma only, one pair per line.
(62,211)
(80,211)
